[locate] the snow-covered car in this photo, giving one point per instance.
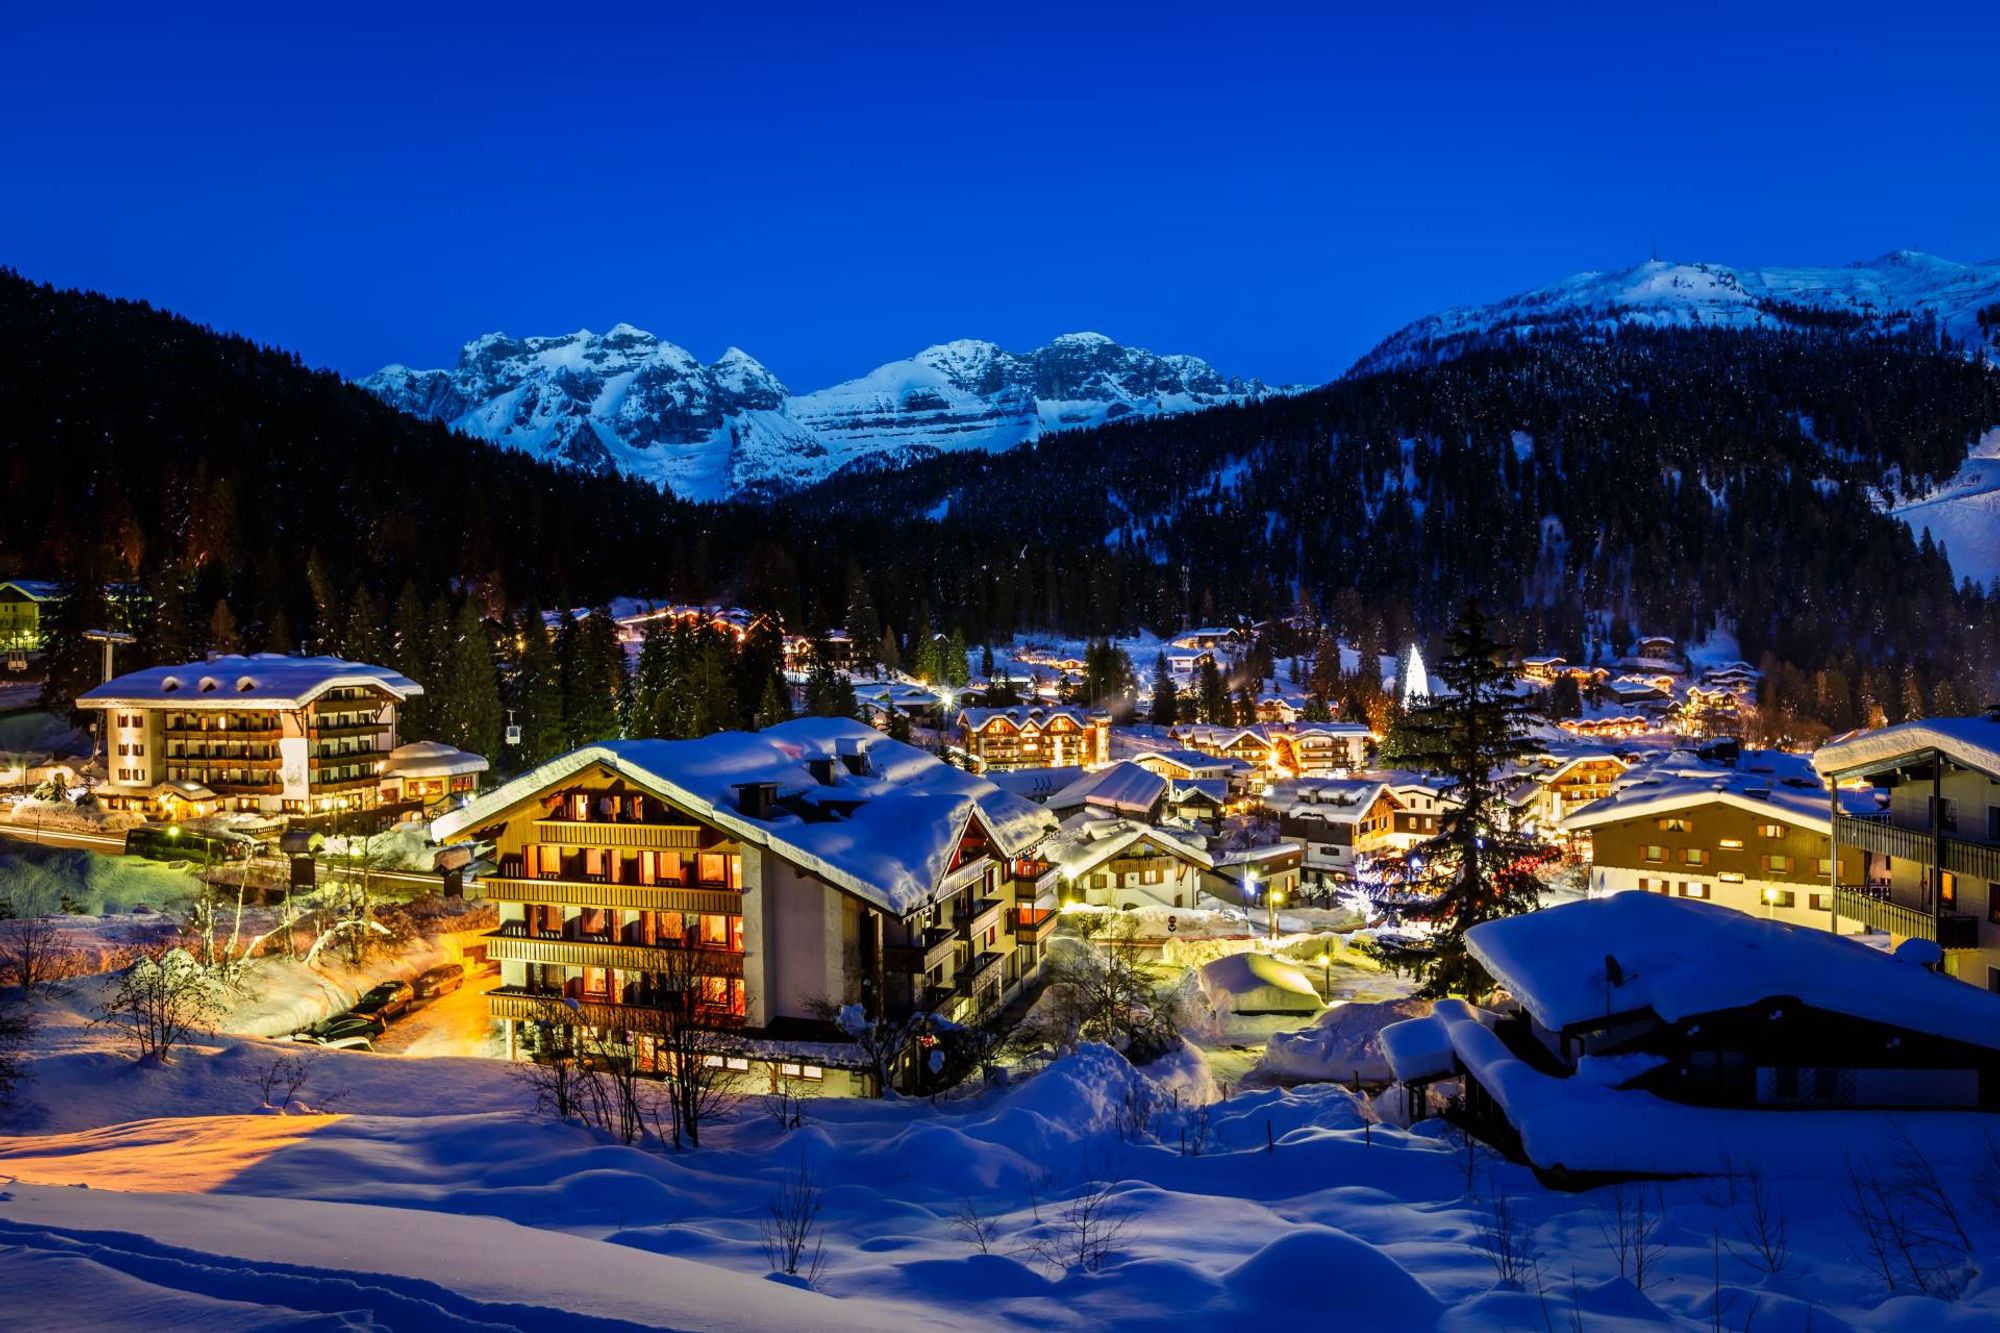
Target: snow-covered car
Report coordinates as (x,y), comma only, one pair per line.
(440,980)
(389,1000)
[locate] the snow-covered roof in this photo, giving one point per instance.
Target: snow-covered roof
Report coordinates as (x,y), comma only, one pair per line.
(1970,742)
(234,680)
(432,759)
(885,835)
(1035,784)
(35,590)
(1191,789)
(1123,786)
(1763,782)
(1419,1049)
(1087,841)
(1336,800)
(1680,957)
(1025,715)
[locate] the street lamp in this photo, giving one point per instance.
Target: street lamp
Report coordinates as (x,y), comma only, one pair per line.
(1325,961)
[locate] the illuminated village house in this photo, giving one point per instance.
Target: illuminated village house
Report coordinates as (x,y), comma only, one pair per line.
(1034,736)
(815,863)
(262,733)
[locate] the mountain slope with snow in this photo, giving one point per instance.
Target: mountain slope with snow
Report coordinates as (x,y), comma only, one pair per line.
(1890,291)
(628,402)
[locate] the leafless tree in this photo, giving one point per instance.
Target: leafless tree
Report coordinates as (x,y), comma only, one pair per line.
(1507,1239)
(693,1057)
(978,1228)
(1102,989)
(1629,1224)
(1761,1224)
(558,1075)
(35,954)
(161,1001)
(1907,1225)
(18,1023)
(790,1229)
(279,1083)
(787,1103)
(881,1041)
(1085,1229)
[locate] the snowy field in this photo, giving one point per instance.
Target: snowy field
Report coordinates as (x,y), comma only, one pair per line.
(423,1193)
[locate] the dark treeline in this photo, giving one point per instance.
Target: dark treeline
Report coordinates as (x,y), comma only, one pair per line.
(1662,477)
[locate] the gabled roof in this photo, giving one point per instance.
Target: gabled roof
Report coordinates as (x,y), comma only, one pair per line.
(885,836)
(233,680)
(1763,782)
(1088,841)
(1680,958)
(1970,742)
(1025,715)
(35,590)
(1123,786)
(1335,800)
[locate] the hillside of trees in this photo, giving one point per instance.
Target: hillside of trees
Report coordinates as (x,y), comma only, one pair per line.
(1656,480)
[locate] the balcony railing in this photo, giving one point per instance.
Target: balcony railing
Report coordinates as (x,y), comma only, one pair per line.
(985,914)
(932,951)
(1034,924)
(517,1002)
(981,970)
(1873,906)
(637,897)
(503,945)
(972,872)
(1972,859)
(594,833)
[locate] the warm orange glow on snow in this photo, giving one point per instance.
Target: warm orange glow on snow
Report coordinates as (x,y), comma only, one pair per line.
(194,1155)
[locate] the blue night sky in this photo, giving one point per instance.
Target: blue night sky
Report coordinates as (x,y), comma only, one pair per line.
(831,187)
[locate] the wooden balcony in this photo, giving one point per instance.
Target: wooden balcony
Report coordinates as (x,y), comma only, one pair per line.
(979,972)
(512,1002)
(637,897)
(653,837)
(985,914)
(1874,908)
(317,728)
(1973,860)
(972,872)
(1033,925)
(503,945)
(936,949)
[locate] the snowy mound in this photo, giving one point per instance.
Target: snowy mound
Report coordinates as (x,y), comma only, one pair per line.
(1256,983)
(625,401)
(1343,1044)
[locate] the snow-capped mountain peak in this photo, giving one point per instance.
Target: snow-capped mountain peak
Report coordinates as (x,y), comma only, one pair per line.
(1886,291)
(626,401)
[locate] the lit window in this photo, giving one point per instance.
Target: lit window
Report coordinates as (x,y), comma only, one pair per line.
(1771,830)
(1732,844)
(811,1071)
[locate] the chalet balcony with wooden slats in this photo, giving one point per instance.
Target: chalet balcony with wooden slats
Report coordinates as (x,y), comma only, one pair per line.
(1873,906)
(1973,860)
(596,833)
(593,893)
(983,916)
(510,943)
(936,948)
(982,969)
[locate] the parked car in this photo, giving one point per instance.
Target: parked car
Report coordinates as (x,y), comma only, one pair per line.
(440,980)
(391,999)
(344,1032)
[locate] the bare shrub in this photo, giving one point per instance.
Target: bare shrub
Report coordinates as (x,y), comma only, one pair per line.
(1629,1225)
(162,1001)
(35,954)
(1506,1238)
(790,1229)
(978,1228)
(1760,1224)
(1906,1225)
(787,1103)
(279,1083)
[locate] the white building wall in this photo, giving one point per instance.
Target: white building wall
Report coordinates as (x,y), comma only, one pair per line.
(1747,895)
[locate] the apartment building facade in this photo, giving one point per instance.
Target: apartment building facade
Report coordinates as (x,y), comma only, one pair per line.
(816,863)
(1034,736)
(261,732)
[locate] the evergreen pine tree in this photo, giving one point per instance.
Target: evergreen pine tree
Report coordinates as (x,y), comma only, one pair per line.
(468,711)
(1474,869)
(363,636)
(776,704)
(828,691)
(1166,695)
(954,666)
(537,693)
(223,636)
(1213,695)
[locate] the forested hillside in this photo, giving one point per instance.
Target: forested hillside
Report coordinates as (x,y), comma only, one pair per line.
(1671,478)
